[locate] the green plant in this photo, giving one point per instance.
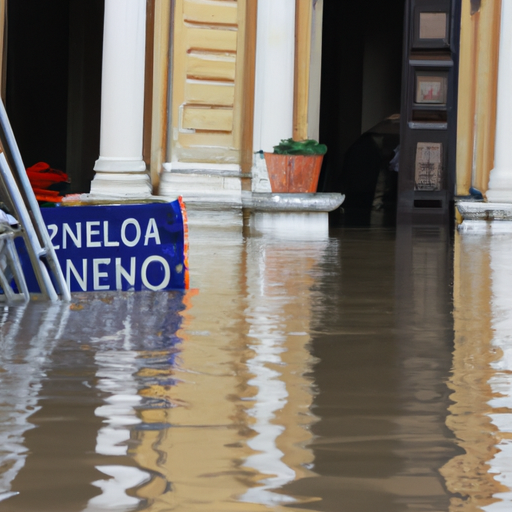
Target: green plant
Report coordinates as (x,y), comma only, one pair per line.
(300,147)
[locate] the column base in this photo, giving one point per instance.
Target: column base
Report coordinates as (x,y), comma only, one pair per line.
(117,185)
(203,184)
(121,165)
(499,196)
(500,185)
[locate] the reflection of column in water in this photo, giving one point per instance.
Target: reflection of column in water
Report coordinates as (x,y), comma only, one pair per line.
(22,359)
(116,370)
(279,309)
(270,398)
(468,474)
(204,452)
(501,381)
(201,452)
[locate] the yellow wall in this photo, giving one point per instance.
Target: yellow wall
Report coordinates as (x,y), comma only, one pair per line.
(478,74)
(160,87)
(207,81)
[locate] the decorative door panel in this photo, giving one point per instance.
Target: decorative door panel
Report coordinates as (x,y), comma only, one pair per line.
(207,81)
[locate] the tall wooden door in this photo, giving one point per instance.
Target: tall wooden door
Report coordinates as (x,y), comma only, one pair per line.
(207,81)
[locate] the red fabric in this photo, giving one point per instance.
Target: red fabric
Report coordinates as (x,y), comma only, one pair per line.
(39,167)
(41,177)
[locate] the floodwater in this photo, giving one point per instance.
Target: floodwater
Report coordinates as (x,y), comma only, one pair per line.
(365,369)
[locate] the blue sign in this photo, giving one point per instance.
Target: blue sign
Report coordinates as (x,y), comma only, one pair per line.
(116,247)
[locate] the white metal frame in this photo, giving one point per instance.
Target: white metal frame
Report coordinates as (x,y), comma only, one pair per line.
(16,186)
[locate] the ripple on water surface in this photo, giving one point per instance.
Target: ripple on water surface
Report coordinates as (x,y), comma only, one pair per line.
(368,370)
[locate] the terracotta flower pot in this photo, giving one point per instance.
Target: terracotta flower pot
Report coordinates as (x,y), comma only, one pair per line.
(293,173)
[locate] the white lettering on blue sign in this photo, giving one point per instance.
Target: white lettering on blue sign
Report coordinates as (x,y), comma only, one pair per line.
(124,238)
(152,232)
(144,275)
(105,248)
(102,268)
(90,233)
(77,239)
(106,241)
(121,272)
(97,275)
(99,236)
(80,279)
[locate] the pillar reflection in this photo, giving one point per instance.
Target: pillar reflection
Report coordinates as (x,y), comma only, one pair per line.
(481,294)
(280,277)
(501,380)
(238,426)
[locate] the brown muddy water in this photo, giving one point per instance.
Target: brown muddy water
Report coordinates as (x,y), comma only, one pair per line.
(363,370)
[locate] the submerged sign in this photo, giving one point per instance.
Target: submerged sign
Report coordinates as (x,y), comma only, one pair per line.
(116,247)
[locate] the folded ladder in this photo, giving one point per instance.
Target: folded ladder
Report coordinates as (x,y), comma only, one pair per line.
(19,197)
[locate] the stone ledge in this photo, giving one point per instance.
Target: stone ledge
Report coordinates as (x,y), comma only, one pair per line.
(475,210)
(289,202)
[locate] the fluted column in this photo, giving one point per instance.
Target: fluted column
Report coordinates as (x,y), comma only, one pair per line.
(120,168)
(500,182)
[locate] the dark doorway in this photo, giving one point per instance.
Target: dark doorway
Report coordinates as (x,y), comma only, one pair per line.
(361,88)
(53,89)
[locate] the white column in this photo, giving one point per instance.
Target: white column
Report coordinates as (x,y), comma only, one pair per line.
(500,183)
(275,59)
(120,169)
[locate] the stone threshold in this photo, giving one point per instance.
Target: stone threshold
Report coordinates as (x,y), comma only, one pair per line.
(483,217)
(479,210)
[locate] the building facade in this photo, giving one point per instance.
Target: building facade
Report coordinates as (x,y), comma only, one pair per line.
(189,90)
(177,97)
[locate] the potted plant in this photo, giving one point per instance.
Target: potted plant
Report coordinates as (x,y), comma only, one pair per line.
(295,166)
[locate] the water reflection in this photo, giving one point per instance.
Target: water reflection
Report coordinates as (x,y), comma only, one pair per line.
(501,381)
(481,415)
(242,393)
(82,390)
(156,401)
(141,342)
(383,333)
(424,323)
(468,474)
(280,279)
(297,374)
(25,347)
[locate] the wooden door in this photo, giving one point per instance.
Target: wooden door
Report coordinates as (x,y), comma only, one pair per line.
(207,81)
